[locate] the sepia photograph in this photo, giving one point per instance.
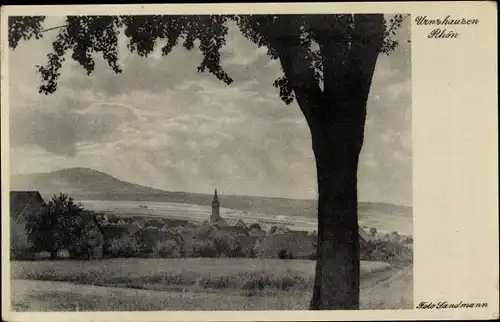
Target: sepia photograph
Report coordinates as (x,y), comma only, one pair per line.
(211,160)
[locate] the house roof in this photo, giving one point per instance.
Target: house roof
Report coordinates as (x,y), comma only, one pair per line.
(281,228)
(234,229)
(220,222)
(235,222)
(22,202)
(255,226)
(364,236)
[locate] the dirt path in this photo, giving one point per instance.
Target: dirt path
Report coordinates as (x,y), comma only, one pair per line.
(385,290)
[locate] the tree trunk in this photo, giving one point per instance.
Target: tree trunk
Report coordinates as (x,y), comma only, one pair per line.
(336,116)
(53,255)
(336,151)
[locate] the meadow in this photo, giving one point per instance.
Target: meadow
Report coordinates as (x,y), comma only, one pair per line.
(193,274)
(190,284)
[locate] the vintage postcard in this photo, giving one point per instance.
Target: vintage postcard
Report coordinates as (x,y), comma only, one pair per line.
(249,162)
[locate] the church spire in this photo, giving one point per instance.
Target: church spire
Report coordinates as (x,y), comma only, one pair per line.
(215,209)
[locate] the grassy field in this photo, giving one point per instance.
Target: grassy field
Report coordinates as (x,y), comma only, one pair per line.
(191,284)
(193,274)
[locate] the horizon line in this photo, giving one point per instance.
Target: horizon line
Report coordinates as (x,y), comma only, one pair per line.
(203,193)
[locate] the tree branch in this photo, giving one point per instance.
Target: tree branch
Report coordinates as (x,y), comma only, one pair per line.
(388,32)
(333,34)
(284,35)
(53,28)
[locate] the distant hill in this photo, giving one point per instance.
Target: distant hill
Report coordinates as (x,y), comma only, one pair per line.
(80,182)
(89,184)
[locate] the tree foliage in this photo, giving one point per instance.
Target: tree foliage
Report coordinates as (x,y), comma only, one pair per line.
(86,238)
(57,226)
(307,37)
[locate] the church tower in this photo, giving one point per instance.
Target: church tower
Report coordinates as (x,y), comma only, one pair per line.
(215,209)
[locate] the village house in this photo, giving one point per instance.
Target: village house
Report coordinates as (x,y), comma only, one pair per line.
(23,204)
(279,229)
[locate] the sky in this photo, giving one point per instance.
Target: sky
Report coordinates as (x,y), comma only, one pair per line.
(162,124)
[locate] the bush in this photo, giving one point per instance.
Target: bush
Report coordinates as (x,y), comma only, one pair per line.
(124,246)
(167,249)
(56,226)
(85,241)
(227,245)
(285,254)
(387,251)
(201,248)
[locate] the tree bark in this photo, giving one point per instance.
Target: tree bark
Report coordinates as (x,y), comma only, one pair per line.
(337,130)
(337,143)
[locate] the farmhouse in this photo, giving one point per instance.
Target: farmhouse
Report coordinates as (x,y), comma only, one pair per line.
(23,204)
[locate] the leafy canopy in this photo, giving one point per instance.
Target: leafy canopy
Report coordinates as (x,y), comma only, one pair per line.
(56,226)
(308,35)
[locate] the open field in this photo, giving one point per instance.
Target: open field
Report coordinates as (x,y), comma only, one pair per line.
(190,284)
(185,273)
(383,221)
